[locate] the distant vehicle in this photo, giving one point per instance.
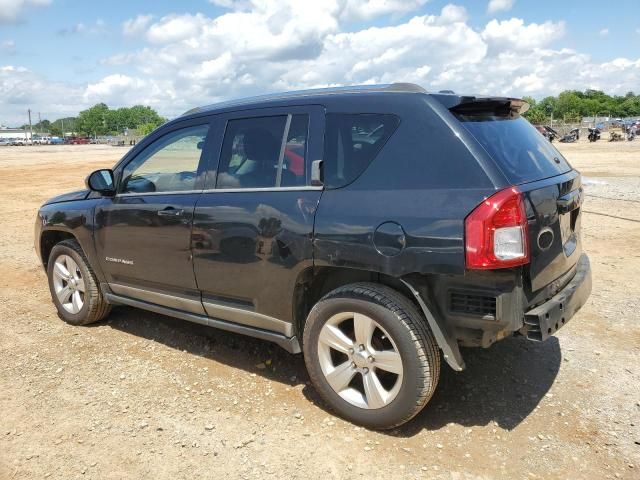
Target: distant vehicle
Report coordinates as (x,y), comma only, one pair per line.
(56,141)
(77,141)
(547,132)
(616,134)
(5,142)
(21,142)
(41,141)
(571,137)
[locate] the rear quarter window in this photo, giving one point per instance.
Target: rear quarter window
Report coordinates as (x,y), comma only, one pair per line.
(352,141)
(519,150)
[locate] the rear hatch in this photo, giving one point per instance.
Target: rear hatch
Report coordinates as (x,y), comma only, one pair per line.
(553,190)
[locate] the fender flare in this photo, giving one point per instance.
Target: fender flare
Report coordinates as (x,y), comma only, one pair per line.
(444,337)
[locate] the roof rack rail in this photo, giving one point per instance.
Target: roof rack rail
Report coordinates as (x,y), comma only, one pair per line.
(392,87)
(404,87)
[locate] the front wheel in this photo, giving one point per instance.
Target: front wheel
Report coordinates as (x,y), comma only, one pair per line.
(73,285)
(371,355)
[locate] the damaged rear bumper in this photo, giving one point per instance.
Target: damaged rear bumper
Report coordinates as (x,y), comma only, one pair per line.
(544,320)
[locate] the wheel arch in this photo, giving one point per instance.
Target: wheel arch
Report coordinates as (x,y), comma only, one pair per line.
(315,282)
(49,238)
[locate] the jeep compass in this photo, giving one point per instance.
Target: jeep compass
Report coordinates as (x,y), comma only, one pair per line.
(374,229)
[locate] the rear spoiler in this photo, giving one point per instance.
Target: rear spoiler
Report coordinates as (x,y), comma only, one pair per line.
(478,105)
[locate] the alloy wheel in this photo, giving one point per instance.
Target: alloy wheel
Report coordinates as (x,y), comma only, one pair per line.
(68,284)
(360,360)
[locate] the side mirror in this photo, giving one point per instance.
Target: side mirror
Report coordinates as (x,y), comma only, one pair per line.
(316,173)
(102,181)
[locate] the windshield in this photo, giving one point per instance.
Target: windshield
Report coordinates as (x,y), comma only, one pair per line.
(520,151)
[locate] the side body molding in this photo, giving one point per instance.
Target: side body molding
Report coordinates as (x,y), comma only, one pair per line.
(290,344)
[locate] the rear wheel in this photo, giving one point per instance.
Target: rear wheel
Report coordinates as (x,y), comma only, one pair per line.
(370,355)
(73,285)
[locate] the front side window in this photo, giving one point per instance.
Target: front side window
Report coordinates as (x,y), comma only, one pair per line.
(352,141)
(264,152)
(170,164)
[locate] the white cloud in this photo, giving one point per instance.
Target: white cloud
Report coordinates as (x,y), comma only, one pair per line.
(228,3)
(513,34)
(11,11)
(347,10)
(96,28)
(500,6)
(8,46)
(453,13)
(137,25)
(368,9)
(127,90)
(173,28)
(21,89)
(604,32)
(260,46)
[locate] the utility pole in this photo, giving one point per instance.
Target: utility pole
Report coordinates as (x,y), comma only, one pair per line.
(30,126)
(40,122)
(62,128)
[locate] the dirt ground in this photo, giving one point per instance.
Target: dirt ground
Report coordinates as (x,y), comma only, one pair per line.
(145,396)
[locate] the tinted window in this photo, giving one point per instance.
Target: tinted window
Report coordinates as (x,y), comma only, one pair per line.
(352,142)
(253,151)
(516,146)
(169,164)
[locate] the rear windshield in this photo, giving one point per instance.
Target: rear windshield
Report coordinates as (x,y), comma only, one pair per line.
(520,151)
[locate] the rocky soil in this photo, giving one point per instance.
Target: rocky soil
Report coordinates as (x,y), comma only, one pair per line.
(145,396)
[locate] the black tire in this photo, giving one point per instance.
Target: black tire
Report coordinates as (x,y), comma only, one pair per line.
(413,340)
(95,307)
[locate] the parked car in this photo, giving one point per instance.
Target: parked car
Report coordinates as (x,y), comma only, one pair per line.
(414,224)
(4,142)
(56,141)
(77,141)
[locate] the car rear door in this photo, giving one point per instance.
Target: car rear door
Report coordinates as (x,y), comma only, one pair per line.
(253,225)
(143,234)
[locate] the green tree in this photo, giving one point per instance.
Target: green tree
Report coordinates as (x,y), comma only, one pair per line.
(93,121)
(146,128)
(100,120)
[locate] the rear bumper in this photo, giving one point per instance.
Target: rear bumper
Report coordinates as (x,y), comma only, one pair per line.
(544,320)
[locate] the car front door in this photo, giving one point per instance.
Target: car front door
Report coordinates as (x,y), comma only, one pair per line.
(252,233)
(143,233)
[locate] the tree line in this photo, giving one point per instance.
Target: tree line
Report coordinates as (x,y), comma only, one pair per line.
(101,120)
(571,105)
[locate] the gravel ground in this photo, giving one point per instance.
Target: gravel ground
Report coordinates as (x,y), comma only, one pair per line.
(146,396)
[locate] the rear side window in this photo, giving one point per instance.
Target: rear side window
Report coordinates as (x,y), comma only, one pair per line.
(352,141)
(264,152)
(516,146)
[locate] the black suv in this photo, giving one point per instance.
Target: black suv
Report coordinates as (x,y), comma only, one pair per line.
(371,228)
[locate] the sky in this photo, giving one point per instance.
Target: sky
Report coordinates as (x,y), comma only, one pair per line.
(58,57)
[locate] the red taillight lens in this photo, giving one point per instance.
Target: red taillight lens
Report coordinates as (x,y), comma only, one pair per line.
(496,232)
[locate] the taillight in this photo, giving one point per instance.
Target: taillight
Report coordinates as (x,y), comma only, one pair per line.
(496,232)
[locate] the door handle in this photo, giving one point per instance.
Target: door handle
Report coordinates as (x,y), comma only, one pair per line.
(170,212)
